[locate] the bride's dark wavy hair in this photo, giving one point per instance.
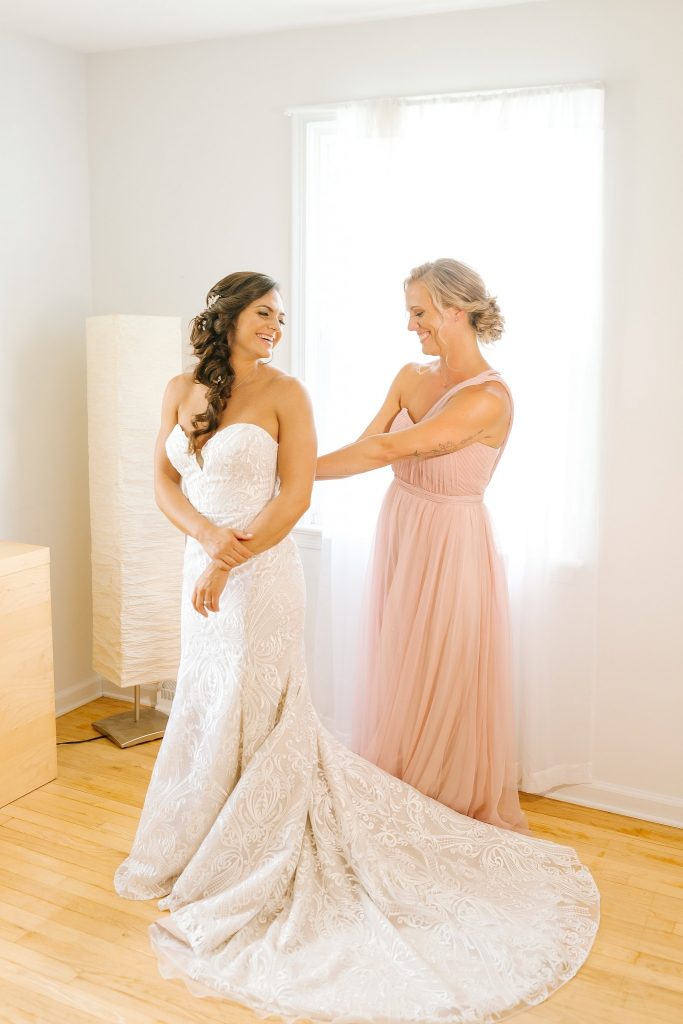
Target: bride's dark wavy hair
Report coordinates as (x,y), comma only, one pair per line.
(210,337)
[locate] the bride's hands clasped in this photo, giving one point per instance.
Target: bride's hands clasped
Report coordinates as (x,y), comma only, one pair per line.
(225,546)
(209,587)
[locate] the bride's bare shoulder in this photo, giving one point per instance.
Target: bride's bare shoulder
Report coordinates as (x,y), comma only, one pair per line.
(178,389)
(182,383)
(286,389)
(284,382)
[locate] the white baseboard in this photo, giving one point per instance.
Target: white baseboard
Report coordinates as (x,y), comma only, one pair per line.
(148,694)
(165,695)
(77,695)
(634,803)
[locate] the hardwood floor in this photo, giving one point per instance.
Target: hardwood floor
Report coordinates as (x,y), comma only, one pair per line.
(71,951)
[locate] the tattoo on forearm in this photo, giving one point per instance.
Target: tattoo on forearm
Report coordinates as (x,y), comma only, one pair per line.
(446,447)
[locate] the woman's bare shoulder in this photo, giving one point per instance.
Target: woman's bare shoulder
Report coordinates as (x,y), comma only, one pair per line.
(177,391)
(496,389)
(412,371)
(181,384)
(274,375)
(487,403)
(405,381)
(290,398)
(409,378)
(284,385)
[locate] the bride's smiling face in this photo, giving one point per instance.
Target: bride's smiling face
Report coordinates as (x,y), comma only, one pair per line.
(429,323)
(259,327)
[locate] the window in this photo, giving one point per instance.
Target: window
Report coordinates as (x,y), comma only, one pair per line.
(511,184)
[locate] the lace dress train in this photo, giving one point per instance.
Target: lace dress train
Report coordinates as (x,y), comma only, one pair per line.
(300,879)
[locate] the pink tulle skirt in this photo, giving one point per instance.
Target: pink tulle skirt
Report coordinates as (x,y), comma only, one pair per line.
(434,701)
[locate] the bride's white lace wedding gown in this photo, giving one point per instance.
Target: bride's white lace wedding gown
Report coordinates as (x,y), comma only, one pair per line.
(303,881)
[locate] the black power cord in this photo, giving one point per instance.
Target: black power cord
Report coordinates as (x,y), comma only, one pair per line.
(62,742)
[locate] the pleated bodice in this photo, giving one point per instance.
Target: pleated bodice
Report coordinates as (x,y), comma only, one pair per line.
(465,472)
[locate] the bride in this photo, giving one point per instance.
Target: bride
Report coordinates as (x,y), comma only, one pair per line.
(300,879)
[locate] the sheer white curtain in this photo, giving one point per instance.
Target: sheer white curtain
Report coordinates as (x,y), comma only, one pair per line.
(509,183)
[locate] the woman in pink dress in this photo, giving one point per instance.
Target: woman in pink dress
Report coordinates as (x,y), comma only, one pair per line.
(434,701)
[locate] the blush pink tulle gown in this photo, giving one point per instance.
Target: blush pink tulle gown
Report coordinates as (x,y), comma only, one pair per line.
(434,702)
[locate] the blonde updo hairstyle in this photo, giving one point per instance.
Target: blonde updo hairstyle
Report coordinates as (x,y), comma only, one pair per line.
(451,283)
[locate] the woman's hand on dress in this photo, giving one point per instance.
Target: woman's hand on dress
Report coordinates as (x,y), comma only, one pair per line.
(225,545)
(209,587)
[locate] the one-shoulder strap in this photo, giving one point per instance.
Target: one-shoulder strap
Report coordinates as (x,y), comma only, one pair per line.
(471,381)
(507,433)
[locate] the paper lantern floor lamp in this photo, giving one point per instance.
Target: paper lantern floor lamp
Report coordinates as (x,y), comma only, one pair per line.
(137,554)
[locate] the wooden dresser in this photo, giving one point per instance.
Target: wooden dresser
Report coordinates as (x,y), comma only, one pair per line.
(28,752)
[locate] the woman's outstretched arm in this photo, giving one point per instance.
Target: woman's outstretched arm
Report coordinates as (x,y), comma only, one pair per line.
(472,415)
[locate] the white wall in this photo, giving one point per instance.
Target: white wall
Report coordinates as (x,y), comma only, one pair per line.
(45,285)
(190,164)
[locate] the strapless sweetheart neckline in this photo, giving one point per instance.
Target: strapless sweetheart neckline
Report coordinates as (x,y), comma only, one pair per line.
(224,429)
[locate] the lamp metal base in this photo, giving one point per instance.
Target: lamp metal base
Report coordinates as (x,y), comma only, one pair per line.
(126,730)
